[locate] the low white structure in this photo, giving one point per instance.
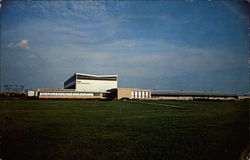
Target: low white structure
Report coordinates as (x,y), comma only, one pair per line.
(30,93)
(47,93)
(91,83)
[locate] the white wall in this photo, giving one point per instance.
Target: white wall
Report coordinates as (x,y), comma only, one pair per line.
(31,93)
(95,85)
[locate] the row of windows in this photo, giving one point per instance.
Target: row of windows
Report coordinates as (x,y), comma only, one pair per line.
(68,94)
(140,94)
(96,78)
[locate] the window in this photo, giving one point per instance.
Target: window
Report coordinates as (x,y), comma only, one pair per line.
(143,94)
(90,94)
(73,78)
(96,94)
(132,94)
(139,94)
(136,95)
(113,78)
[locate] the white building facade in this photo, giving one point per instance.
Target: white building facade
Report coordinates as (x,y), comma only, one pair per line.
(91,83)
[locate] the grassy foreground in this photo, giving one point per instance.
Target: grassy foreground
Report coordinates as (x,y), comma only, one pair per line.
(71,130)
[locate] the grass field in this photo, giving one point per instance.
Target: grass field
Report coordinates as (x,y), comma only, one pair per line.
(122,130)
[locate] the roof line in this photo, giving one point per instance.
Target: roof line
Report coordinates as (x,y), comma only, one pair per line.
(95,75)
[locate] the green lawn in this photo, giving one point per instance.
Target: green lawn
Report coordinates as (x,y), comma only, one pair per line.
(104,130)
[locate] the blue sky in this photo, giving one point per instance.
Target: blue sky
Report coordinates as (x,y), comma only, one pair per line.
(173,45)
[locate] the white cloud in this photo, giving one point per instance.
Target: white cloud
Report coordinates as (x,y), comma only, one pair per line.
(23,44)
(147,57)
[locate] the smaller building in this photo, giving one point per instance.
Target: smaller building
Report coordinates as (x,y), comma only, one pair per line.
(44,93)
(244,97)
(129,93)
(31,93)
(190,95)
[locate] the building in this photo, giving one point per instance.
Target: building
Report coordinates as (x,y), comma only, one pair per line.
(129,93)
(81,86)
(30,93)
(190,95)
(45,93)
(86,86)
(91,83)
(244,97)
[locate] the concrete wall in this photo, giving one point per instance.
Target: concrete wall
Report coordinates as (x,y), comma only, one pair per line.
(95,85)
(128,93)
(30,93)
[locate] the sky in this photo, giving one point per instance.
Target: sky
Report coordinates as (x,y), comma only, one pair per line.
(164,45)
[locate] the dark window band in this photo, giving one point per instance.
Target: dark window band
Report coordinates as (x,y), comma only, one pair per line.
(71,87)
(97,78)
(73,78)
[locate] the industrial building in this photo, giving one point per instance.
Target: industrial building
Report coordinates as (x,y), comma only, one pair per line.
(91,83)
(82,86)
(87,86)
(190,95)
